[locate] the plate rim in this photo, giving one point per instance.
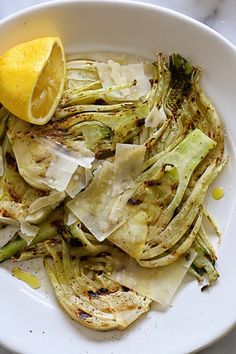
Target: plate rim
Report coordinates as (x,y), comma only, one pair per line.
(134,4)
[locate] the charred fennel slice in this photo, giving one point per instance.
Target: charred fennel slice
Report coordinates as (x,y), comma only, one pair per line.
(110,192)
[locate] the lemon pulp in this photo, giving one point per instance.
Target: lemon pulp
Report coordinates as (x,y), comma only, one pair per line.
(46,89)
(32,76)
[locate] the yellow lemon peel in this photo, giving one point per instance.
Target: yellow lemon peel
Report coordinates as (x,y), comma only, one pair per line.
(32,76)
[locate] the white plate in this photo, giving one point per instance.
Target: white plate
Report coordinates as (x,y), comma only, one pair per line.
(31,321)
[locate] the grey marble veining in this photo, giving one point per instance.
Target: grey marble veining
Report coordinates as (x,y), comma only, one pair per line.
(218,14)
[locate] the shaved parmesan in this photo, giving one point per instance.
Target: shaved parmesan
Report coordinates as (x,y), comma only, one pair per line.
(158,284)
(136,72)
(113,73)
(7,233)
(154,118)
(71,218)
(9,221)
(104,73)
(131,236)
(64,164)
(79,181)
(92,205)
(28,231)
(128,166)
(100,206)
(52,200)
(118,76)
(116,73)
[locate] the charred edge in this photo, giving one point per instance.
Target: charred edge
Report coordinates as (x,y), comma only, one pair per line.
(132,201)
(10,159)
(174,187)
(210,259)
(152,244)
(100,102)
(99,292)
(99,155)
(187,257)
(151,82)
(42,159)
(205,287)
(93,294)
(83,228)
(167,165)
(200,271)
(53,134)
(125,289)
(140,122)
(74,242)
(83,315)
(4,213)
(152,182)
(14,196)
(64,232)
(149,143)
(103,291)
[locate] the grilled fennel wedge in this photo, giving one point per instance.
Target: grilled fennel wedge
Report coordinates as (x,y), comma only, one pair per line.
(111,191)
(88,295)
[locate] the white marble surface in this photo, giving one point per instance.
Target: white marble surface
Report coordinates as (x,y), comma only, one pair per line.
(218,14)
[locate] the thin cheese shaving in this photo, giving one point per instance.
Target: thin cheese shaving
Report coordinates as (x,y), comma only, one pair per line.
(79,181)
(28,231)
(154,118)
(91,206)
(99,207)
(136,72)
(64,164)
(9,221)
(7,233)
(131,236)
(52,200)
(113,73)
(71,218)
(118,76)
(104,72)
(158,284)
(128,166)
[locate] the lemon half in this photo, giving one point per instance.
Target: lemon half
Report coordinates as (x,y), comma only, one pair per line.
(32,76)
